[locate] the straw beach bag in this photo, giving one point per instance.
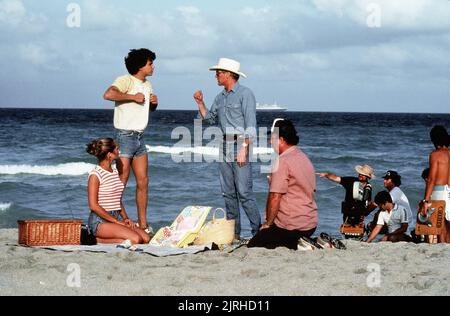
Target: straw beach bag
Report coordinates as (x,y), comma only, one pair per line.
(219,231)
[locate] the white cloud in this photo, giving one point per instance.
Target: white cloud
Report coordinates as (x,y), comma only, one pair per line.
(398,14)
(14,15)
(12,12)
(385,55)
(194,23)
(101,15)
(33,53)
(185,66)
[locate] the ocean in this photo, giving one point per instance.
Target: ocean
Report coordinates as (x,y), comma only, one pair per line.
(44,166)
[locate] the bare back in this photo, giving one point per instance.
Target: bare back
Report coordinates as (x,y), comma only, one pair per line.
(440,166)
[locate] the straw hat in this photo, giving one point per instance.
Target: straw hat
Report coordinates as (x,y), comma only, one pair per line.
(229,65)
(365,170)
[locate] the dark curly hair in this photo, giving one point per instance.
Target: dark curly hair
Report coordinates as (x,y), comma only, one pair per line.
(439,136)
(286,129)
(138,58)
(101,147)
(383,197)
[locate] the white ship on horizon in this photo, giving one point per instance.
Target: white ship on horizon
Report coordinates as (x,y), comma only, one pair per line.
(270,107)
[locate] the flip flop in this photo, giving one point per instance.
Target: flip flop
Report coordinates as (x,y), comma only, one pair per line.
(335,243)
(338,244)
(304,245)
(324,243)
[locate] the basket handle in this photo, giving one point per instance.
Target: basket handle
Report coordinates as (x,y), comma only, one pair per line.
(219,209)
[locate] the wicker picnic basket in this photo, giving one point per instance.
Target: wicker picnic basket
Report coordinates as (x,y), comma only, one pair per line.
(49,232)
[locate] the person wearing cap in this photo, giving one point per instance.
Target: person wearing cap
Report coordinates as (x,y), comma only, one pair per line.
(438,184)
(394,216)
(291,211)
(358,194)
(234,109)
(392,182)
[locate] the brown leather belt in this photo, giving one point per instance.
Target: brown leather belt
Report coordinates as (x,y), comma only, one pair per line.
(230,137)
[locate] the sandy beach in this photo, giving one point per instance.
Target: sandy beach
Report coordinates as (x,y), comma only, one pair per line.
(362,269)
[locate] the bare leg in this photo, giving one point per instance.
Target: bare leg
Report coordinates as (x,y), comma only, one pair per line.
(124,166)
(144,236)
(116,232)
(109,241)
(444,237)
(140,166)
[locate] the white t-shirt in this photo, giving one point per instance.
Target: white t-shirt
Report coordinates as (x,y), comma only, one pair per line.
(393,219)
(398,197)
(132,116)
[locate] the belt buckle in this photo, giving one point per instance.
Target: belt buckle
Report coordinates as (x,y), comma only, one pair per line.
(230,137)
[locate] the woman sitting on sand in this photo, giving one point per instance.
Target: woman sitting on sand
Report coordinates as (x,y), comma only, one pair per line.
(105,198)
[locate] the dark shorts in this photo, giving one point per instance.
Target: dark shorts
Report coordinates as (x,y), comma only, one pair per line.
(95,220)
(274,237)
(131,144)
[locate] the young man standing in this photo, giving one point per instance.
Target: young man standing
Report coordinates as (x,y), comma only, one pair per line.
(394,216)
(438,184)
(234,109)
(134,99)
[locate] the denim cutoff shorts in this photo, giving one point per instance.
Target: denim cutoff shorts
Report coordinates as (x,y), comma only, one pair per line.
(131,144)
(95,220)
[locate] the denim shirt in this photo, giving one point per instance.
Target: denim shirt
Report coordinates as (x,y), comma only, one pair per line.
(235,111)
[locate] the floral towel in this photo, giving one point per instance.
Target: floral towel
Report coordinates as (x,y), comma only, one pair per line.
(184,229)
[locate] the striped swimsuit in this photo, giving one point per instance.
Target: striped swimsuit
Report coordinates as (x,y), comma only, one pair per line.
(110,190)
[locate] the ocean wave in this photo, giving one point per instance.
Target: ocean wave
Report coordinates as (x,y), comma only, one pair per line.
(5,206)
(67,169)
(207,151)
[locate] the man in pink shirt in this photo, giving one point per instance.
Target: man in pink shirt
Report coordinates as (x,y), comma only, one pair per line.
(291,211)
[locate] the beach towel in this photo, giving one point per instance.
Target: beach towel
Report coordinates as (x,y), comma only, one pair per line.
(184,229)
(157,251)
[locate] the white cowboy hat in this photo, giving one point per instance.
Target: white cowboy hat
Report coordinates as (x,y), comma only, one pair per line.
(365,170)
(229,65)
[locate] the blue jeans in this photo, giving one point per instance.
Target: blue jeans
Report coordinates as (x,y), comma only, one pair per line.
(95,220)
(237,186)
(131,144)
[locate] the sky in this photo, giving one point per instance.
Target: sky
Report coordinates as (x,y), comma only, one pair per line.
(317,55)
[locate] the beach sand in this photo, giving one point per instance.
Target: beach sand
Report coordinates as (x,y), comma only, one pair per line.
(404,269)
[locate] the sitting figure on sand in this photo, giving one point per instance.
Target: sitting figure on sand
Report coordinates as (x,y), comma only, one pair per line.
(105,198)
(291,211)
(358,194)
(394,216)
(392,182)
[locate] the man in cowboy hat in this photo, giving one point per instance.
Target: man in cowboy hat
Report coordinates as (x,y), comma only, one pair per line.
(358,193)
(234,109)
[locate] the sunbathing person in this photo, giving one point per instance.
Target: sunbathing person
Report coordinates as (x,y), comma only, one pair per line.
(105,198)
(394,216)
